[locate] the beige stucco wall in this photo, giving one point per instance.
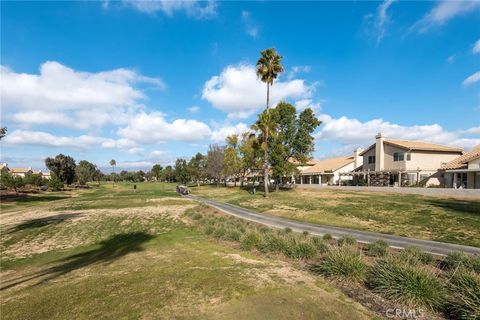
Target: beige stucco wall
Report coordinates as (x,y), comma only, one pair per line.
(347,168)
(366,165)
(389,164)
(474,164)
(428,160)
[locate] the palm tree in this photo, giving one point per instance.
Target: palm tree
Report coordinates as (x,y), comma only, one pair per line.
(269,66)
(113,163)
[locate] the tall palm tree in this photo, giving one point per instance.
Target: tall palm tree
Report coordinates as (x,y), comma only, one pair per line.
(113,163)
(269,66)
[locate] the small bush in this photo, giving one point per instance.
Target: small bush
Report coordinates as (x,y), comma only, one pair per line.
(378,248)
(347,241)
(288,230)
(463,295)
(233,235)
(415,255)
(197,216)
(343,262)
(399,280)
(219,232)
(327,236)
(55,183)
(305,233)
(321,246)
(474,262)
(249,241)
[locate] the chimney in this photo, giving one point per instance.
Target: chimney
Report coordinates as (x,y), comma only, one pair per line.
(357,158)
(379,152)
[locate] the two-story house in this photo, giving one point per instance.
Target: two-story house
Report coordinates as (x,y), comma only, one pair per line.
(390,162)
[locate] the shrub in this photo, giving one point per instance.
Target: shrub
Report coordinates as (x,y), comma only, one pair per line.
(197,216)
(378,248)
(399,280)
(343,262)
(305,233)
(219,232)
(233,235)
(321,246)
(55,183)
(463,295)
(249,241)
(415,255)
(288,230)
(474,262)
(327,236)
(347,241)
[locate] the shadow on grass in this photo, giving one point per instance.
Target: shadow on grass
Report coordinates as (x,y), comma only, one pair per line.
(25,198)
(107,251)
(458,206)
(40,222)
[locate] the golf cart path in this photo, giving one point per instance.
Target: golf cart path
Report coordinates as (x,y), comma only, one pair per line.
(439,248)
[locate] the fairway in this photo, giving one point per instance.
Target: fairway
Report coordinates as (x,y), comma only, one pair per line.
(415,216)
(111,253)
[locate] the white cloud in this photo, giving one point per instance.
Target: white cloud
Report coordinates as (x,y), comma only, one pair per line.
(238,92)
(308,103)
(194,8)
(151,128)
(476,47)
(39,138)
(66,97)
(250,27)
(353,133)
(472,79)
(451,59)
(443,12)
(377,23)
(194,109)
(297,70)
(220,134)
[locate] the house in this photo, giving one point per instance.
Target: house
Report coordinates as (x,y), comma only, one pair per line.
(4,168)
(20,172)
(463,171)
(327,172)
(390,162)
(47,175)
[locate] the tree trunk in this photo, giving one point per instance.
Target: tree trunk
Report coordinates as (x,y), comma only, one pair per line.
(235,182)
(277,185)
(265,151)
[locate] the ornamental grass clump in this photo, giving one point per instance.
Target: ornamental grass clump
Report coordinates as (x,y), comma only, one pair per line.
(399,280)
(378,248)
(321,246)
(415,255)
(463,295)
(249,241)
(346,241)
(342,262)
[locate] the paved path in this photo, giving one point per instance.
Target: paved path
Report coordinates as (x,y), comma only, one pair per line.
(439,192)
(398,242)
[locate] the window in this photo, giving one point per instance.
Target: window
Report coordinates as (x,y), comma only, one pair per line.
(398,156)
(371,159)
(409,156)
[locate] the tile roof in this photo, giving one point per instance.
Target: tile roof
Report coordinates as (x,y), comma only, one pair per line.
(417,145)
(20,170)
(422,145)
(328,165)
(461,162)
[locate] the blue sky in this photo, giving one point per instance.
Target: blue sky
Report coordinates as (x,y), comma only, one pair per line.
(147,82)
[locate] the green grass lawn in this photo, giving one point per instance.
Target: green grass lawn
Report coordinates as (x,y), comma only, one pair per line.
(110,253)
(422,217)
